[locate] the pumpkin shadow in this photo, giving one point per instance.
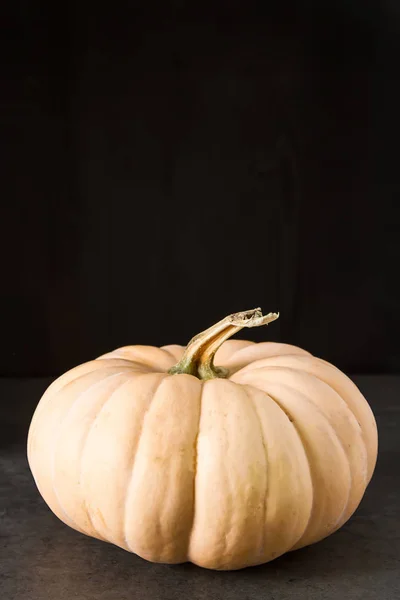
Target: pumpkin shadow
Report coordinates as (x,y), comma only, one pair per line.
(347,558)
(346,552)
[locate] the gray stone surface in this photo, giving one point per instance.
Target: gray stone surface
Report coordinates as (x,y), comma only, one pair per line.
(42,559)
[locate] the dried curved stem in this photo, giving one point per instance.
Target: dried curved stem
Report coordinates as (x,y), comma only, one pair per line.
(198,358)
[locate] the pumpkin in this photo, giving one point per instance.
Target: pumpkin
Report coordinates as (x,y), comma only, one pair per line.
(226,453)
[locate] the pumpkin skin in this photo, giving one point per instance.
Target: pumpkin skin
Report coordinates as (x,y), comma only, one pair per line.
(226,473)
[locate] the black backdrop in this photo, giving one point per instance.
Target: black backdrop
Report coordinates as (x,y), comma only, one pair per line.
(165,166)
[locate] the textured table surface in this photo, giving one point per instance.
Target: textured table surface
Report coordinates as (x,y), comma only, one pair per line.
(41,558)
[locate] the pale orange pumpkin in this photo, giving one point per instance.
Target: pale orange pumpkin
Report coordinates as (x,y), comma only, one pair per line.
(226,466)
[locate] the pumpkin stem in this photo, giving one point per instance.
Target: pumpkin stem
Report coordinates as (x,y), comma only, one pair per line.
(198,358)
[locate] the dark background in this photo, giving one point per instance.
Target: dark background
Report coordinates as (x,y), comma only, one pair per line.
(167,165)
